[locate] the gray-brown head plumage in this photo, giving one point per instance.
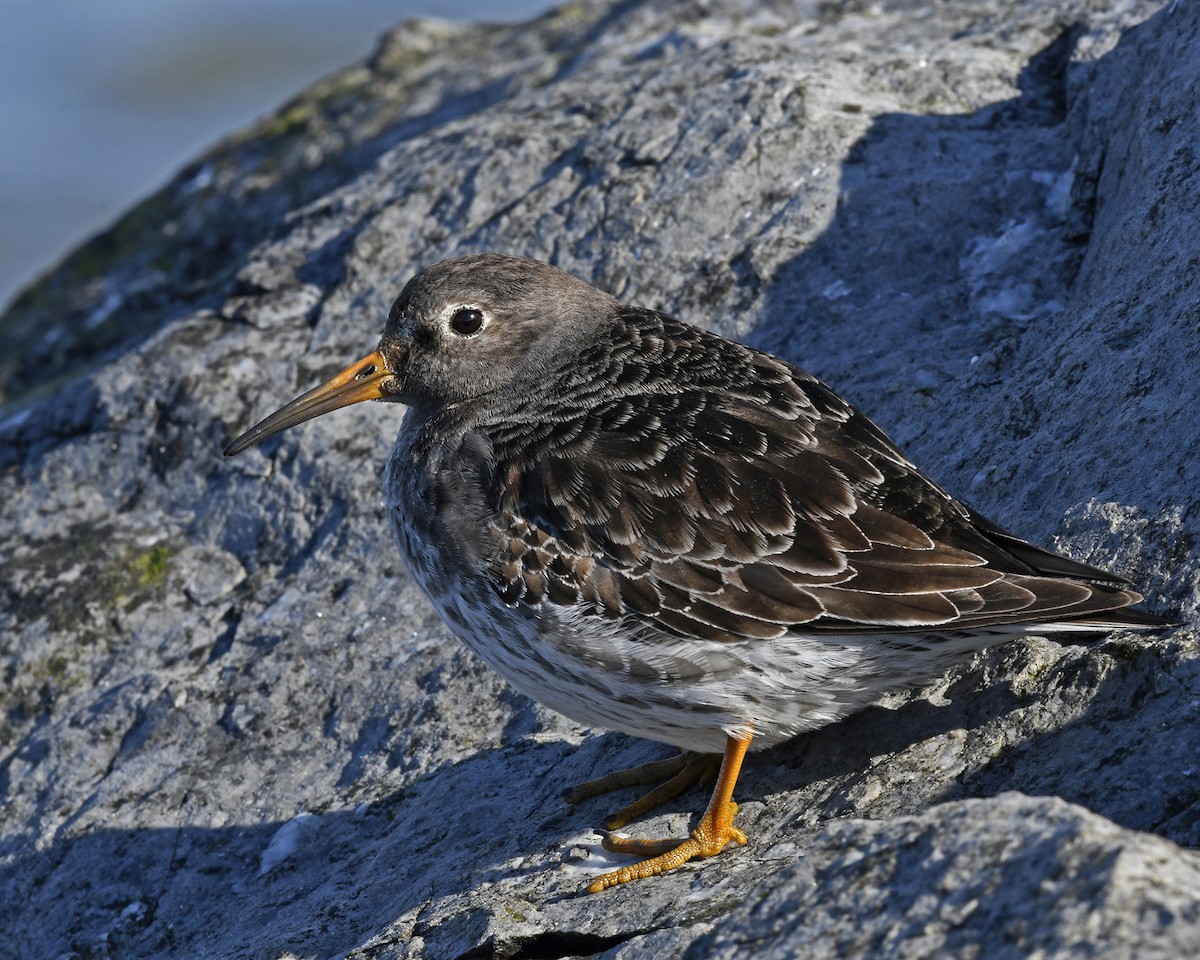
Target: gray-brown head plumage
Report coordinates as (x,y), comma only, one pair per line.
(484,324)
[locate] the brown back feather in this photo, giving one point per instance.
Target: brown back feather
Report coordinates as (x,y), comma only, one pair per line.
(718,492)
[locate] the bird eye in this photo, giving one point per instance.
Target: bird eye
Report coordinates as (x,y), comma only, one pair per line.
(466,321)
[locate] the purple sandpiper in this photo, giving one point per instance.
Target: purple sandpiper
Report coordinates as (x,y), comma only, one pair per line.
(650,528)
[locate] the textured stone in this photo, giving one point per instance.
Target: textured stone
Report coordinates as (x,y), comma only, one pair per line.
(231,725)
(1013,877)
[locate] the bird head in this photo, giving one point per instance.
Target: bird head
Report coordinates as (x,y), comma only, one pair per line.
(466,331)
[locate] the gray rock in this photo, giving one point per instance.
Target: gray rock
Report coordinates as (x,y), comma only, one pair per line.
(233,728)
(1013,876)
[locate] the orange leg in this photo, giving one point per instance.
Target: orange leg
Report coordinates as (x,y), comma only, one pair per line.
(712,833)
(673,776)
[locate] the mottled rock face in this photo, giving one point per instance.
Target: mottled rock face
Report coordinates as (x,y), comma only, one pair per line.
(233,727)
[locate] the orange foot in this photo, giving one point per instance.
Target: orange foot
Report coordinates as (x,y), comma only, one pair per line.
(673,776)
(712,833)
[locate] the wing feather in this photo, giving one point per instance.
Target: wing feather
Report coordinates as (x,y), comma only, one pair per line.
(716,492)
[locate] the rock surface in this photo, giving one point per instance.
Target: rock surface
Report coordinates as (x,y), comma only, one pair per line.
(233,728)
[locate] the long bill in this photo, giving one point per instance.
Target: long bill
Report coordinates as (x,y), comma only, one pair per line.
(362,380)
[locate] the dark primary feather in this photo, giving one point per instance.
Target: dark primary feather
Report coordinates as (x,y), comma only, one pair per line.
(720,493)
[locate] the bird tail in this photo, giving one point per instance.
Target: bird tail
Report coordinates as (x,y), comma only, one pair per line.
(1126,618)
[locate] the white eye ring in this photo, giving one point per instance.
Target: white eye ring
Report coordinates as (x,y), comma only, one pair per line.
(466,320)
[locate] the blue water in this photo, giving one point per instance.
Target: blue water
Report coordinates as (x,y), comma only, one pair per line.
(102,100)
